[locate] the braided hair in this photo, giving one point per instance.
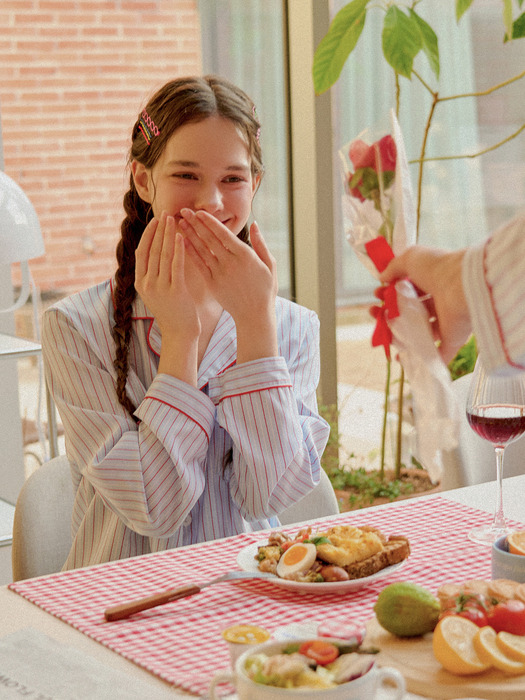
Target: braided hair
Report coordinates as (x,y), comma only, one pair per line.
(179,102)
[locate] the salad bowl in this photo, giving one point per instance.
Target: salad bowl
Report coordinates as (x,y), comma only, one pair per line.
(363,686)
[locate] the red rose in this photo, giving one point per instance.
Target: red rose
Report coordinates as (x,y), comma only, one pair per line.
(362,155)
(386,153)
(380,156)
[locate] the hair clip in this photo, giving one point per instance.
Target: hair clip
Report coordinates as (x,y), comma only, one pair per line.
(148,127)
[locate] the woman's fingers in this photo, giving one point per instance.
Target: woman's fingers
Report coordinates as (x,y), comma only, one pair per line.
(177,263)
(155,256)
(212,237)
(143,248)
(264,254)
(167,249)
(260,247)
(190,252)
(156,246)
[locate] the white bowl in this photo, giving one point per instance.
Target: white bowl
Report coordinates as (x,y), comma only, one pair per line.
(505,564)
(366,686)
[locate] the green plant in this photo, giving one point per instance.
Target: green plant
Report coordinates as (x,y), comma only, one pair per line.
(330,458)
(346,473)
(404,35)
(365,486)
(465,359)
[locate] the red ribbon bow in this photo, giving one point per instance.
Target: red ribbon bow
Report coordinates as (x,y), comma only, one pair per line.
(380,253)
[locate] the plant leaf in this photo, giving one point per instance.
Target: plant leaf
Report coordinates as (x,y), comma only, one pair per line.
(461,7)
(518,28)
(464,360)
(337,44)
(430,42)
(319,539)
(507,17)
(401,40)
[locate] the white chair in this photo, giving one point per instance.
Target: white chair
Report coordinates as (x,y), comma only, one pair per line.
(474,461)
(42,522)
(318,503)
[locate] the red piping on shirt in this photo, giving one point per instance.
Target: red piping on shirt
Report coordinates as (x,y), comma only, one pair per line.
(254,391)
(494,311)
(154,398)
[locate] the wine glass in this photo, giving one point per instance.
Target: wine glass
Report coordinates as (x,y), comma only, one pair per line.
(496,412)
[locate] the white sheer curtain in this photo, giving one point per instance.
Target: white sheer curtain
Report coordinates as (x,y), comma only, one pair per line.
(453,210)
(243,41)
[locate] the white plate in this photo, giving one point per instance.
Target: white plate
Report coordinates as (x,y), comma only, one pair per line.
(246,560)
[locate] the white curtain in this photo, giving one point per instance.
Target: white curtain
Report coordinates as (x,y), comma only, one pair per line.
(242,40)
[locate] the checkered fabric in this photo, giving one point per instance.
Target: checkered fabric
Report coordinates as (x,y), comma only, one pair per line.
(181,641)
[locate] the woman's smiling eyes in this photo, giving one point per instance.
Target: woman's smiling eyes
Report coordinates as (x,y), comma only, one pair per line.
(234,179)
(185,176)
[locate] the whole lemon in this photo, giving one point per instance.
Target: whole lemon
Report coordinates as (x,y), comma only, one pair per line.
(406,609)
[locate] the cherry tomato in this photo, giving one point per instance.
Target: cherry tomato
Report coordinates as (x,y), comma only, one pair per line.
(319,651)
(290,543)
(508,617)
(472,607)
(475,615)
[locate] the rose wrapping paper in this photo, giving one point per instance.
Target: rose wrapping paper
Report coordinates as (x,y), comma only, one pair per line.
(393,215)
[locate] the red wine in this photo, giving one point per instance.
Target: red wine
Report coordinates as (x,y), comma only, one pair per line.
(498,424)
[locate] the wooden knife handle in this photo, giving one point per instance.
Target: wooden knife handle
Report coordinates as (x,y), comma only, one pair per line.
(120,612)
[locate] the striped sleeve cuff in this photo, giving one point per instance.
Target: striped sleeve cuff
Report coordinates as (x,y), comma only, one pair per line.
(174,394)
(257,375)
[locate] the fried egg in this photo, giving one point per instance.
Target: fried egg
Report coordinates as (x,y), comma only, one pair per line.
(297,559)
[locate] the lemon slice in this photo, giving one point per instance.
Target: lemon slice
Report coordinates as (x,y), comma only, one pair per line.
(453,646)
(512,644)
(490,652)
(516,542)
(245,634)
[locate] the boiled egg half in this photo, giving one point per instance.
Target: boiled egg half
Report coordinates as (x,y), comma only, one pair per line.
(297,559)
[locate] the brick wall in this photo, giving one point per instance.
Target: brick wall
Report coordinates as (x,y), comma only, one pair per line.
(74,75)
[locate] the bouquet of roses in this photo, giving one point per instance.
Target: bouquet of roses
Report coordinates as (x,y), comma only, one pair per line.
(380,222)
(373,177)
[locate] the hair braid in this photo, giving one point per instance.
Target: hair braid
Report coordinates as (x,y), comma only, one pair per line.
(131,230)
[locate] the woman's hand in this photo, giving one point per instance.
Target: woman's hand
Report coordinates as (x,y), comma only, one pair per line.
(242,279)
(159,279)
(437,273)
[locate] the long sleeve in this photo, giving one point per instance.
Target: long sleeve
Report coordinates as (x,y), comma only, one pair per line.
(150,474)
(199,463)
(494,283)
(270,411)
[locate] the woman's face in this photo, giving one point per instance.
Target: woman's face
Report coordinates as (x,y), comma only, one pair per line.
(205,165)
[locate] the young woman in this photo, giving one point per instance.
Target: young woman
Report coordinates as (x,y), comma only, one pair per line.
(186,386)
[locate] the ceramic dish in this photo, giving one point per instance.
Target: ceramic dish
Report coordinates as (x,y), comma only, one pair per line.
(247,562)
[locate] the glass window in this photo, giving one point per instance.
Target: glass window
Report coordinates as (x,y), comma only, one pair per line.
(242,40)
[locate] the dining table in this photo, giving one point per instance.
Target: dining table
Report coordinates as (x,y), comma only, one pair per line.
(171,651)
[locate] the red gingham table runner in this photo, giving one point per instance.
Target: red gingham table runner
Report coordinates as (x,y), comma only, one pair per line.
(181,642)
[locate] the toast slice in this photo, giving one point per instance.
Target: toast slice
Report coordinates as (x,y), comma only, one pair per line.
(395,550)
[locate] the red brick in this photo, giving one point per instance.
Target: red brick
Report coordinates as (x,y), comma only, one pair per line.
(68,104)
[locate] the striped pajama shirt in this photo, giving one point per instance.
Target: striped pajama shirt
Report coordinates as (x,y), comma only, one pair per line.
(164,482)
(494,283)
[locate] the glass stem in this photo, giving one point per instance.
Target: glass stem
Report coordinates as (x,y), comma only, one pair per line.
(499,517)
